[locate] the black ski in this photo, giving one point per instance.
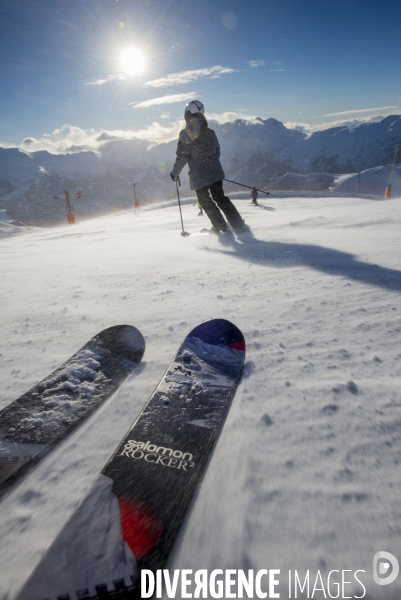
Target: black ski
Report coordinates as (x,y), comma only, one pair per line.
(34,423)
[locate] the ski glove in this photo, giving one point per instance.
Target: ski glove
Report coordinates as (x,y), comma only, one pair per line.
(174,177)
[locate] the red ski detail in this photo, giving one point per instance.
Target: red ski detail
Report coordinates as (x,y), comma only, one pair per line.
(238,345)
(140,525)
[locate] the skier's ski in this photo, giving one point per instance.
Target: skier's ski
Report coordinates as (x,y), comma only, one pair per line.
(34,423)
(131,517)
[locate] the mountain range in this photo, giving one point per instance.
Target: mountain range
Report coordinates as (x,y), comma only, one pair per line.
(261,152)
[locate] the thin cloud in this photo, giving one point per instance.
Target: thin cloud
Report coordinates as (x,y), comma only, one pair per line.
(230,117)
(188,76)
(158,134)
(61,140)
(256,63)
(102,81)
(360,110)
(107,79)
(303,127)
(308,128)
(70,139)
(6,144)
(168,99)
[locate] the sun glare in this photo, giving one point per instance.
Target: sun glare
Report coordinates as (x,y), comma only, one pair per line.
(132,61)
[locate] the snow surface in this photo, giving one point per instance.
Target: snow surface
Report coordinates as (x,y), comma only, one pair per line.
(83,540)
(371,182)
(306,473)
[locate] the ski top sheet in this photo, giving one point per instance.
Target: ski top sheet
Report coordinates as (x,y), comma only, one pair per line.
(130,519)
(34,423)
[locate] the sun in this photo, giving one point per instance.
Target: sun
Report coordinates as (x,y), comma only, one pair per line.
(132,61)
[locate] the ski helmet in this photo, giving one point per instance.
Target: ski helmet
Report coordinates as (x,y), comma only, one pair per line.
(195,106)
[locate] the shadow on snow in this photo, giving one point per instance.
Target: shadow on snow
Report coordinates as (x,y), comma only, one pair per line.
(326,260)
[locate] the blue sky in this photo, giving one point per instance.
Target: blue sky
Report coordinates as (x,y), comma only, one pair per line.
(306,62)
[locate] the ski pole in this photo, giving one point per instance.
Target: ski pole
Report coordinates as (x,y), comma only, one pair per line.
(183,233)
(247,186)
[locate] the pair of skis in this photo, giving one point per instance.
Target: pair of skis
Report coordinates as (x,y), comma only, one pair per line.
(130,519)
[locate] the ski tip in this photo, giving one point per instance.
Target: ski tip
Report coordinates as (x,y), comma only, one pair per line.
(124,340)
(220,332)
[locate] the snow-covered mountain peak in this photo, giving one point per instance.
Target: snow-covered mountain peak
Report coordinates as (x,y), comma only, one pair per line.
(253,152)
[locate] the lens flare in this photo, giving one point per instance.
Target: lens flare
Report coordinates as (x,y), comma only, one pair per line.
(161,166)
(229,20)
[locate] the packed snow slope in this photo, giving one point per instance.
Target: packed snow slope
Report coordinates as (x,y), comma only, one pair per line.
(306,473)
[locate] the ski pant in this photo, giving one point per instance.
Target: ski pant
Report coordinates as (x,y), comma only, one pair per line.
(220,201)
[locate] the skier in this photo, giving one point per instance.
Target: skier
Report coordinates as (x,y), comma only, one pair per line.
(254,195)
(198,146)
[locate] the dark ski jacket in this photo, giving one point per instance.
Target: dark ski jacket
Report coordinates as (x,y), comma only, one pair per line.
(199,147)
